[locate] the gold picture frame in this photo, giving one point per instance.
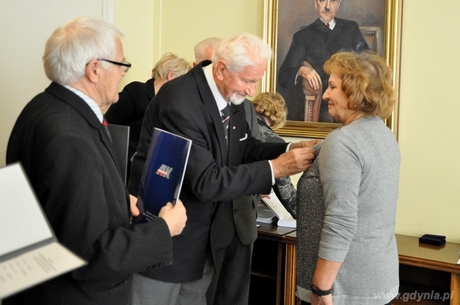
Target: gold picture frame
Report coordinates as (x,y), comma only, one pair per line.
(383,38)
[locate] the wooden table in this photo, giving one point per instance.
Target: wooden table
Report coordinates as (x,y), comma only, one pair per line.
(443,258)
(411,253)
(290,267)
(273,233)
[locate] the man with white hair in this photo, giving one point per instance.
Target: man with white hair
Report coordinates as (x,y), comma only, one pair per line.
(224,164)
(69,157)
(230,281)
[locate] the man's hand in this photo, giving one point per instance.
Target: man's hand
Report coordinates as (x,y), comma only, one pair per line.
(311,77)
(292,162)
(134,209)
(175,217)
(301,144)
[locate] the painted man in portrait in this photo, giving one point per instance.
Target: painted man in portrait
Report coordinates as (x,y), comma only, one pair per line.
(301,79)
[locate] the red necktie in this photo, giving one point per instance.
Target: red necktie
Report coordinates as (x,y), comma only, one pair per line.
(106,127)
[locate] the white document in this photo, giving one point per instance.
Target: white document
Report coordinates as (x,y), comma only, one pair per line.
(285,218)
(265,215)
(29,251)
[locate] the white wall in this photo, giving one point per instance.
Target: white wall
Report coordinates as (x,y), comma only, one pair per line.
(429,128)
(25,27)
(429,119)
(153,28)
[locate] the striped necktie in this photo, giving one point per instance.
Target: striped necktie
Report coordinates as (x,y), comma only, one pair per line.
(225,114)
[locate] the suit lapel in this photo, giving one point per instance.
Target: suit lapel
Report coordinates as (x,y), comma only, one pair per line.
(211,106)
(238,134)
(336,33)
(233,130)
(68,97)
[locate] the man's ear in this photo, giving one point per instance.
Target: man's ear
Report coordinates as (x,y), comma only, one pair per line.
(92,71)
(220,68)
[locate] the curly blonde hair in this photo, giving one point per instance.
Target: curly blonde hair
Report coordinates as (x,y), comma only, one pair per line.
(272,106)
(367,81)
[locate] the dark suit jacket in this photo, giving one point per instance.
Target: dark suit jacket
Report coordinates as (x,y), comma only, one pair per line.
(251,118)
(315,44)
(70,162)
(130,109)
(214,175)
(244,208)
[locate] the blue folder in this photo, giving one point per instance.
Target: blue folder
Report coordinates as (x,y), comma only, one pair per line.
(163,174)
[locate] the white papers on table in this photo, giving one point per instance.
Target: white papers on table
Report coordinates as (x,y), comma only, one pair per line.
(285,218)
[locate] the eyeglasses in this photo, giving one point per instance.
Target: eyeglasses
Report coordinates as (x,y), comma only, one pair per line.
(125,64)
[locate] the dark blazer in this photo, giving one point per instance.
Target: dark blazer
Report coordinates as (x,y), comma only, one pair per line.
(315,44)
(244,208)
(130,109)
(70,162)
(214,175)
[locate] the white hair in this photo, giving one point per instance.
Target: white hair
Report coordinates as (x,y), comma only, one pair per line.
(72,46)
(241,51)
(205,46)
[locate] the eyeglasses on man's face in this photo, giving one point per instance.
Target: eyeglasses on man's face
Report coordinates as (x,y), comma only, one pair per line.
(124,64)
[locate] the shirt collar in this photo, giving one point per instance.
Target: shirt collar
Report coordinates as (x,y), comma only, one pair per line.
(91,103)
(221,102)
(331,24)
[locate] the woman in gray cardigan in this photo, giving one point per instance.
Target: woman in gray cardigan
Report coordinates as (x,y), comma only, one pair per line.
(347,251)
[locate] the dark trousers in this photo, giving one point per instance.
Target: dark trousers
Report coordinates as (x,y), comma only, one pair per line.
(230,286)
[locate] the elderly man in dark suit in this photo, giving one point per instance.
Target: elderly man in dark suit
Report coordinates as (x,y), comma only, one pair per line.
(72,165)
(301,78)
(231,287)
(224,164)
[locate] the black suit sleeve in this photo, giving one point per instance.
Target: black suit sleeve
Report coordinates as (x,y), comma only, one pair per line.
(126,110)
(87,210)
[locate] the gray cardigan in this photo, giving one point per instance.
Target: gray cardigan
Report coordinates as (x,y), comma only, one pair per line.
(347,211)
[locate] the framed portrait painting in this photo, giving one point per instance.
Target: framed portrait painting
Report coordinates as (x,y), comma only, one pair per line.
(300,38)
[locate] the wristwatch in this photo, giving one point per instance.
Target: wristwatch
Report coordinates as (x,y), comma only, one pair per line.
(315,290)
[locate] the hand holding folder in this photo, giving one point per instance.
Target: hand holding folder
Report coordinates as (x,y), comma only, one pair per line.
(164,172)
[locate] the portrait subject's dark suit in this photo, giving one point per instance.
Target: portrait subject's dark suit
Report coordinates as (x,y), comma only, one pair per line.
(315,44)
(68,157)
(215,174)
